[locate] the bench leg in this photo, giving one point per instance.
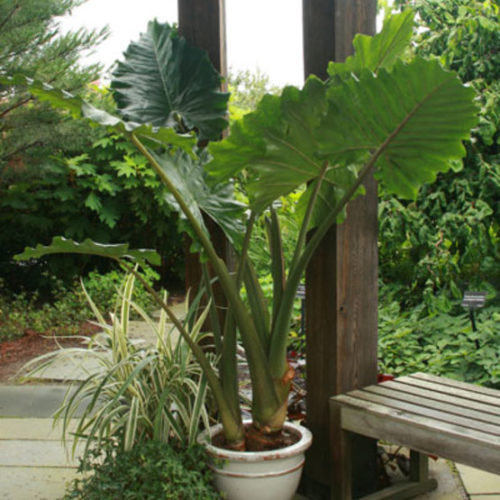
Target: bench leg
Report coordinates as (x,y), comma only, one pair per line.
(418,484)
(419,466)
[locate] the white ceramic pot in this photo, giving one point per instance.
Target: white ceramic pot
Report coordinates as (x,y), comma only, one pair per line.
(261,475)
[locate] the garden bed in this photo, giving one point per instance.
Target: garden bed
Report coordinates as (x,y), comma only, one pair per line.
(15,353)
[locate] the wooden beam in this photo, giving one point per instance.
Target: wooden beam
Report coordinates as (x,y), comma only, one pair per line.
(203,24)
(341,281)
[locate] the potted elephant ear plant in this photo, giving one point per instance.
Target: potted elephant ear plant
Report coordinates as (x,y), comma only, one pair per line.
(402,120)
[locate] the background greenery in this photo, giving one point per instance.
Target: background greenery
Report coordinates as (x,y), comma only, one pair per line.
(448,240)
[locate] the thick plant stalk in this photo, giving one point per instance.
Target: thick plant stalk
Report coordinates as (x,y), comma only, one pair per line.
(233,429)
(266,402)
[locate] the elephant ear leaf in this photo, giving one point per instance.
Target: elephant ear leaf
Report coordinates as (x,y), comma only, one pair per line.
(275,143)
(379,51)
(168,83)
(89,247)
(79,108)
(212,199)
(411,122)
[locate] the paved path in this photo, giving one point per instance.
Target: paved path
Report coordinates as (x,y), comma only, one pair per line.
(33,462)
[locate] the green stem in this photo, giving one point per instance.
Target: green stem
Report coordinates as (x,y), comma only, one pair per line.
(233,429)
(280,334)
(266,400)
(214,317)
(308,215)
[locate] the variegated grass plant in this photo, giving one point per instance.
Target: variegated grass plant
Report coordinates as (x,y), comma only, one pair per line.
(138,392)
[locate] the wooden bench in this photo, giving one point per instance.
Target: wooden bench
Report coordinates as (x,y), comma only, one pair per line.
(428,414)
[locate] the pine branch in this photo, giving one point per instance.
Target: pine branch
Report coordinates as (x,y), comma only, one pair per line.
(9,15)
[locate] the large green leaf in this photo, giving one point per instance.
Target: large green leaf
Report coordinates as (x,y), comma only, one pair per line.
(379,51)
(153,136)
(276,143)
(413,118)
(166,82)
(215,199)
(89,247)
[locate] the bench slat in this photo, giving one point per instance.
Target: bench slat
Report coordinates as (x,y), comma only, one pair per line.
(428,412)
(471,396)
(422,434)
(410,420)
(487,391)
(450,405)
(488,410)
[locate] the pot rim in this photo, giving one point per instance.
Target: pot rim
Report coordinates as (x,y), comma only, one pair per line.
(300,446)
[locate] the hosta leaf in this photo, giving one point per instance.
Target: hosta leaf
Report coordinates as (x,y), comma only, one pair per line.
(150,135)
(89,247)
(168,83)
(379,51)
(216,200)
(276,143)
(415,118)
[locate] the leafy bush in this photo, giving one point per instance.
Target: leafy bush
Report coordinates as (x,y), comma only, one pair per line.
(106,193)
(104,290)
(448,239)
(24,312)
(441,344)
(152,470)
(68,307)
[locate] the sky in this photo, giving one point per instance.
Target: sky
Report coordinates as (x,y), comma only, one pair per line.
(254,40)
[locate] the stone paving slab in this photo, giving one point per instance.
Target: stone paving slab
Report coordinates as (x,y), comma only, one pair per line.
(32,428)
(480,483)
(31,400)
(28,483)
(36,453)
(449,484)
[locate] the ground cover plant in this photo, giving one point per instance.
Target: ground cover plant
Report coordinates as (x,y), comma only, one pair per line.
(440,343)
(402,119)
(149,471)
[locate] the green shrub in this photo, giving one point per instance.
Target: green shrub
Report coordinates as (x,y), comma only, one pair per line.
(441,344)
(107,193)
(22,312)
(68,306)
(152,470)
(103,288)
(448,239)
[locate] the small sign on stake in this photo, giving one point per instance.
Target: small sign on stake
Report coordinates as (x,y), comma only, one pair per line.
(474,300)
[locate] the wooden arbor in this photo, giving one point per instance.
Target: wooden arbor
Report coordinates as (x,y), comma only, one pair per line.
(342,333)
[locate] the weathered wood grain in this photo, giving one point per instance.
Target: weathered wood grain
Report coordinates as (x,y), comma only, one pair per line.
(341,281)
(203,24)
(428,414)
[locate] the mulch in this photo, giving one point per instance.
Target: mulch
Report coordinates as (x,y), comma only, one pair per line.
(14,354)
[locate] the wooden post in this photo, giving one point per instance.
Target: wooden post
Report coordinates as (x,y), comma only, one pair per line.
(203,24)
(341,281)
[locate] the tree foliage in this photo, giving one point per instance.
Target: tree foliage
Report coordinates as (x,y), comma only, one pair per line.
(32,44)
(246,90)
(448,239)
